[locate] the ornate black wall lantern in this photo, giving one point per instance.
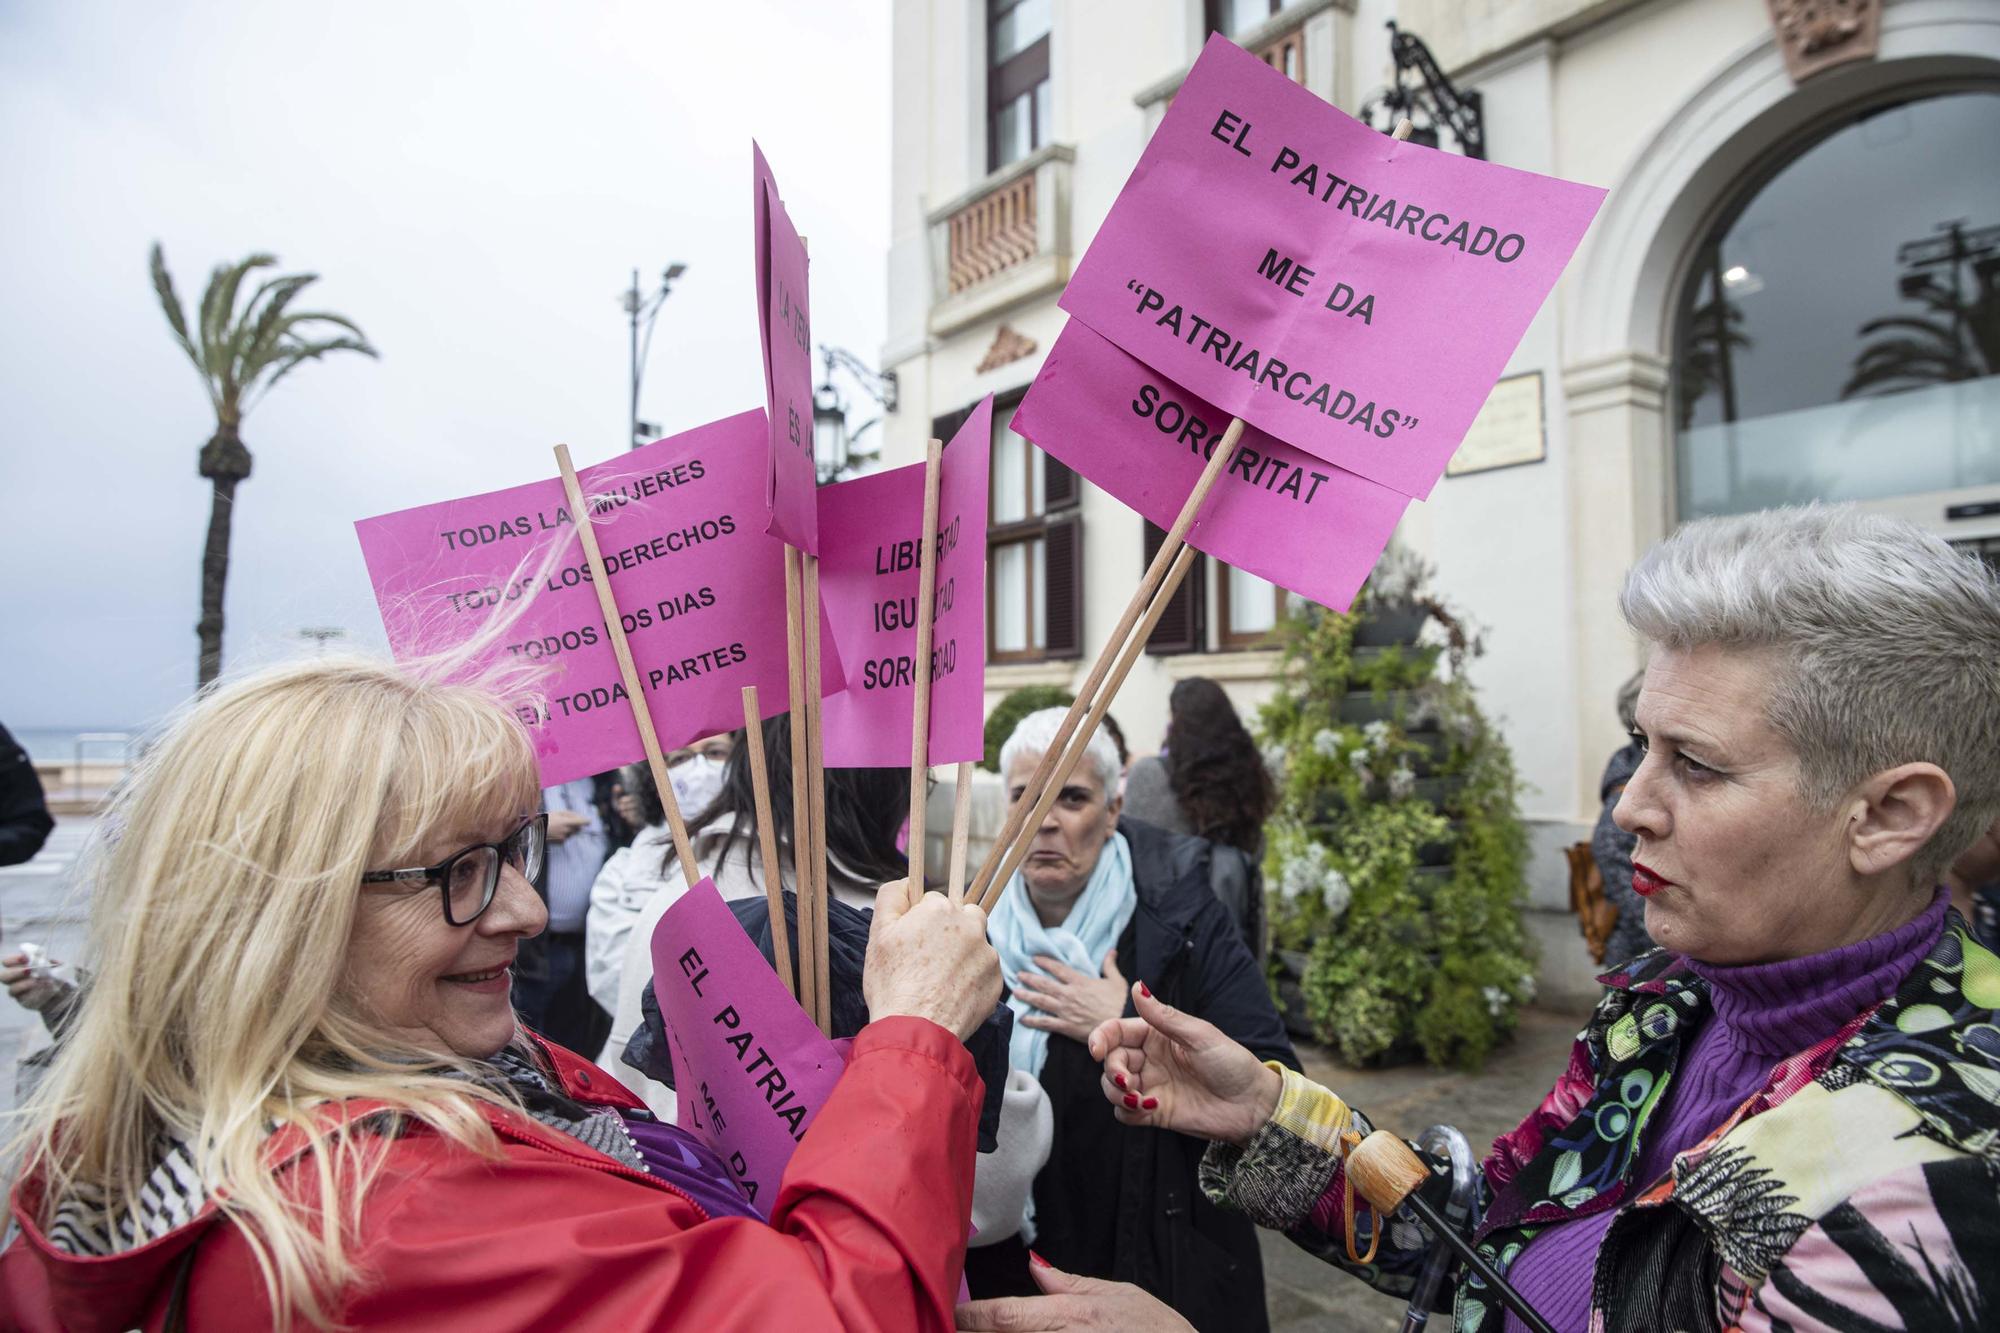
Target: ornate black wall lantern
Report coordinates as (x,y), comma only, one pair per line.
(1433,104)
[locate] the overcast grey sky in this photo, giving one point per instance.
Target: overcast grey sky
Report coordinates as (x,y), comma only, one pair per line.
(474,182)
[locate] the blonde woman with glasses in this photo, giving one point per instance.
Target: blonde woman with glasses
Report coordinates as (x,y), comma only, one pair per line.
(295,1090)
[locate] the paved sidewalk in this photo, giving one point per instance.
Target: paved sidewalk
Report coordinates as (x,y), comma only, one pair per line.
(1304,1294)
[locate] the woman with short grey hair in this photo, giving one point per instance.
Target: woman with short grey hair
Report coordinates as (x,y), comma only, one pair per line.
(1787,1116)
(1034,734)
(1100,899)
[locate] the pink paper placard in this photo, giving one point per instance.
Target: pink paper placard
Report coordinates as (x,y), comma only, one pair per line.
(868,580)
(700,588)
(750,1069)
(1278,513)
(784,320)
(1354,296)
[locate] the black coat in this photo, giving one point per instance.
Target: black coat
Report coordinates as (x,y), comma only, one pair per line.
(1121,1202)
(24,815)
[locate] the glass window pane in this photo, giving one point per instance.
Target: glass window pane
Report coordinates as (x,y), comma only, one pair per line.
(1851,361)
(1253,604)
(1010,476)
(1243,15)
(1009,597)
(1037,580)
(1011,131)
(1038,476)
(1019,28)
(1043,113)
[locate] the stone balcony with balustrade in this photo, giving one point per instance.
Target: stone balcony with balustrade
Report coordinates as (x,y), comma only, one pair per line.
(1002,243)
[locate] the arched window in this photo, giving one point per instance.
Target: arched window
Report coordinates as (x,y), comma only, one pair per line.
(1839,333)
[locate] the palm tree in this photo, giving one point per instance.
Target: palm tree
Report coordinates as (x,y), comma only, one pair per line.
(1957,339)
(241,356)
(1715,337)
(1957,342)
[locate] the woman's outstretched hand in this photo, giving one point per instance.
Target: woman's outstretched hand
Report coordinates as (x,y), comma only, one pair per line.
(1171,1070)
(1069,1301)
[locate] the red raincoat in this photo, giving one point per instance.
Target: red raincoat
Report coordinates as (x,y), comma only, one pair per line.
(868,1231)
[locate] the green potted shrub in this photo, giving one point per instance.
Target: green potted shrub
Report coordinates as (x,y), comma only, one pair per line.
(1396,858)
(1007,715)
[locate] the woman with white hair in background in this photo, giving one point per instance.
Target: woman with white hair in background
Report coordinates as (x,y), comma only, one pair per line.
(294,1089)
(1100,901)
(1786,1117)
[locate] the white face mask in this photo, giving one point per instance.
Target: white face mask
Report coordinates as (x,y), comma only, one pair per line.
(697,782)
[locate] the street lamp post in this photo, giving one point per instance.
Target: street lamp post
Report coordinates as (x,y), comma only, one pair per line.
(833,443)
(643,308)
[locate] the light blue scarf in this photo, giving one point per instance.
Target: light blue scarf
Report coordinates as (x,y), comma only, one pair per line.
(1095,921)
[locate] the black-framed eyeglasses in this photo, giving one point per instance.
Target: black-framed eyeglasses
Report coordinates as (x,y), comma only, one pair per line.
(470,876)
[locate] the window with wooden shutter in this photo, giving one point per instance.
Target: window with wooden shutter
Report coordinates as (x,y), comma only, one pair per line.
(1182,627)
(948,425)
(1062,488)
(1017,79)
(1034,549)
(1247,608)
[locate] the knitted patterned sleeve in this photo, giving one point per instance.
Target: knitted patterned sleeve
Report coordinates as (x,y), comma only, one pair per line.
(1289,1178)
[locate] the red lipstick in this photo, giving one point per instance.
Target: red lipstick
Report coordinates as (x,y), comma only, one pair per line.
(1646,882)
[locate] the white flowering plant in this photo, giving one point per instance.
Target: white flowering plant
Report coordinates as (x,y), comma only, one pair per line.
(1396,857)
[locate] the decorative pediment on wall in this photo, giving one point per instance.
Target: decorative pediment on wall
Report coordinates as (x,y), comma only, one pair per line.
(1008,346)
(1818,34)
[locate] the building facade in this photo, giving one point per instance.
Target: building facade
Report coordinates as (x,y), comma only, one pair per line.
(1792,293)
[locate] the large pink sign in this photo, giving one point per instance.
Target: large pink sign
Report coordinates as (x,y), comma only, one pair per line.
(784,320)
(1351,295)
(700,589)
(750,1069)
(1278,513)
(868,575)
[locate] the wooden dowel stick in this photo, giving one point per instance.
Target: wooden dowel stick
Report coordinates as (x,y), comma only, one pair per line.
(767,840)
(614,625)
(795,663)
(982,883)
(816,792)
(920,719)
(961,816)
(1081,741)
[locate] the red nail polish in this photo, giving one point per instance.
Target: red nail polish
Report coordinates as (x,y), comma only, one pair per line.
(1131,1101)
(1143,991)
(1119,1079)
(1151,1103)
(1038,1261)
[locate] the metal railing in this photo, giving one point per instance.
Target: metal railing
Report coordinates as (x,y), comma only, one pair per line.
(123,740)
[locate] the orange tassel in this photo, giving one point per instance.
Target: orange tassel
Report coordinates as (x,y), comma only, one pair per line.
(1348,1141)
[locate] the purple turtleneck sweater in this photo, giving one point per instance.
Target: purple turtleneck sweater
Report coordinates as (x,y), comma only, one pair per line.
(1764,1012)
